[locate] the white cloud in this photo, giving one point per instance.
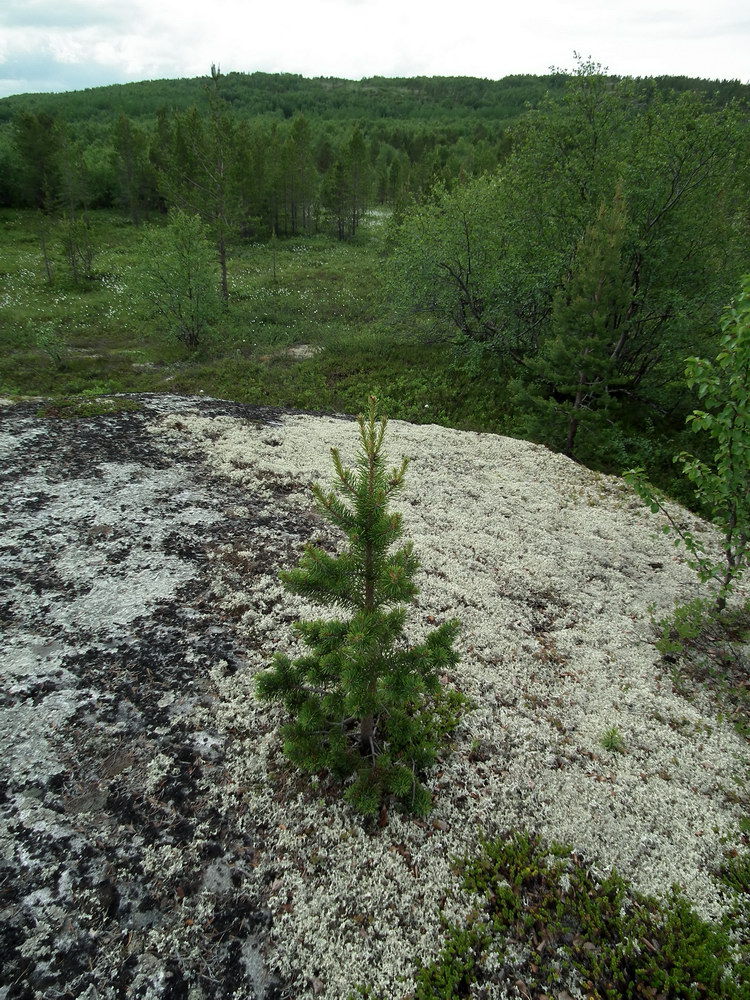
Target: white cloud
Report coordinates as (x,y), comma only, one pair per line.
(74,13)
(355,38)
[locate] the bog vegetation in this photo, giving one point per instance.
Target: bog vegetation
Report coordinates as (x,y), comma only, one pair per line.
(535,256)
(532,256)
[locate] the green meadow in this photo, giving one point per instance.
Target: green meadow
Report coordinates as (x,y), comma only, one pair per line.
(308,326)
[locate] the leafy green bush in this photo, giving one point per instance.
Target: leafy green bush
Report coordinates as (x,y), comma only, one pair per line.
(723,484)
(684,625)
(176,278)
(50,341)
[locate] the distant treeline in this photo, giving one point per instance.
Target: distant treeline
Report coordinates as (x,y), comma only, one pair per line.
(275,152)
(283,95)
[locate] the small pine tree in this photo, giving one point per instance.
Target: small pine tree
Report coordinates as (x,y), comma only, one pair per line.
(367,705)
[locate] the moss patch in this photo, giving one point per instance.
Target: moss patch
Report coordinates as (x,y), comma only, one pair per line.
(76,407)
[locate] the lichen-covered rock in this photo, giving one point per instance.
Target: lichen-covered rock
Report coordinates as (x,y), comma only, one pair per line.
(120,876)
(554,571)
(156,842)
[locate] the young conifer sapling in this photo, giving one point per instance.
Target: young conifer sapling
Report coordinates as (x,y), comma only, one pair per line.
(368,708)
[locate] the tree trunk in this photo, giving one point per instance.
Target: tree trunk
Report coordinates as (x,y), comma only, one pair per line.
(572,430)
(573,422)
(367,723)
(366,734)
(46,257)
(223,266)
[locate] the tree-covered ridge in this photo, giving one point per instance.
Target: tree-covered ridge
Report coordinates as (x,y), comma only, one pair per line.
(278,174)
(283,95)
(441,126)
(407,134)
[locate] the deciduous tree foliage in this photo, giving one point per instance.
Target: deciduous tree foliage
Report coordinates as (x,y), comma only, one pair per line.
(492,257)
(366,704)
(723,484)
(176,279)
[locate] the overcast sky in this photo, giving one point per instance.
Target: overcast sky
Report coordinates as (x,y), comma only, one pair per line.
(52,45)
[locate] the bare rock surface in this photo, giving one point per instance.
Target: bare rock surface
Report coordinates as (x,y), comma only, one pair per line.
(154,840)
(109,636)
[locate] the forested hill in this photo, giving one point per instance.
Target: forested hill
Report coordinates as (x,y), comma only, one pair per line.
(572,238)
(282,95)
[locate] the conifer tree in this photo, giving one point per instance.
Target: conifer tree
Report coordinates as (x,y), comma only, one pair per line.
(199,171)
(136,179)
(589,324)
(368,707)
(39,139)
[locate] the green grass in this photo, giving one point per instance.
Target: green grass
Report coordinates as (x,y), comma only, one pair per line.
(327,301)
